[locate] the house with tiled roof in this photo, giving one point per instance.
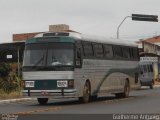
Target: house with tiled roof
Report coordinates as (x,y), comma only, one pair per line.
(153,40)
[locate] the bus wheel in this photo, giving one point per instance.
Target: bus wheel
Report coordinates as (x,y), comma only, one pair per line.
(151,86)
(94,98)
(86,93)
(42,101)
(126,91)
(140,83)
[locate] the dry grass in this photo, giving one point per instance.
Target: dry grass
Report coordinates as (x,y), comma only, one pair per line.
(11,95)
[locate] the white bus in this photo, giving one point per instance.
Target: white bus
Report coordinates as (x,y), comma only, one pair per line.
(68,65)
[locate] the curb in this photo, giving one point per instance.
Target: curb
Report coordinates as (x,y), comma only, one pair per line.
(16,100)
(156,86)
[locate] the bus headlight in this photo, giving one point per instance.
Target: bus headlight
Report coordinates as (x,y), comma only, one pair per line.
(29,84)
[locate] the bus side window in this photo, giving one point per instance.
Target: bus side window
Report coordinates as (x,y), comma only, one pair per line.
(135,54)
(125,51)
(88,49)
(151,68)
(98,50)
(145,69)
(141,69)
(108,51)
(148,66)
(117,52)
(131,53)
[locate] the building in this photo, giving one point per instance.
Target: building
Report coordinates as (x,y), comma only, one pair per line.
(24,36)
(149,50)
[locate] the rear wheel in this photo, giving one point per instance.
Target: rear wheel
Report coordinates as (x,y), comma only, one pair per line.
(42,101)
(151,86)
(126,91)
(86,93)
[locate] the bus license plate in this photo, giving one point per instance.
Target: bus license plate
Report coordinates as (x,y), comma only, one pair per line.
(62,83)
(29,84)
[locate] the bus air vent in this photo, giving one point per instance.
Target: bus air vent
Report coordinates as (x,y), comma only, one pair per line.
(55,34)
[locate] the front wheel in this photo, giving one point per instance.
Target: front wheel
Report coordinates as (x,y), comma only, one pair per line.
(86,93)
(42,101)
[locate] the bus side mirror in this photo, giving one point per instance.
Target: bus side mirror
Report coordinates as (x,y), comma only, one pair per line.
(78,61)
(78,54)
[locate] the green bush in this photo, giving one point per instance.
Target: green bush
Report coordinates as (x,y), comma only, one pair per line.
(8,80)
(5,69)
(6,85)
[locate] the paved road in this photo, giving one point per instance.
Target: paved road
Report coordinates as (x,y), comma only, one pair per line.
(140,101)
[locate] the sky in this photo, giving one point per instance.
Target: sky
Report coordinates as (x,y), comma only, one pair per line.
(93,17)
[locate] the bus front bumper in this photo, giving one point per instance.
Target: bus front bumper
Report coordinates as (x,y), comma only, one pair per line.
(61,93)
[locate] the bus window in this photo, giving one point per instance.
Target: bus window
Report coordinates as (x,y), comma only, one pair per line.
(117,52)
(135,53)
(148,66)
(131,53)
(125,51)
(88,50)
(145,68)
(151,68)
(98,50)
(108,51)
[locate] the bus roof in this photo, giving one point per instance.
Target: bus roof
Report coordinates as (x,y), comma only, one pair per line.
(91,38)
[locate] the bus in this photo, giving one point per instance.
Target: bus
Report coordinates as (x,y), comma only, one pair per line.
(74,65)
(148,71)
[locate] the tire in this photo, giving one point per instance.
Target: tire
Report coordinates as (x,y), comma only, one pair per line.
(125,94)
(42,101)
(151,86)
(94,98)
(141,84)
(119,95)
(86,93)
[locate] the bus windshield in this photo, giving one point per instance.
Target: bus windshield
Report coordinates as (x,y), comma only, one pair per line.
(48,55)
